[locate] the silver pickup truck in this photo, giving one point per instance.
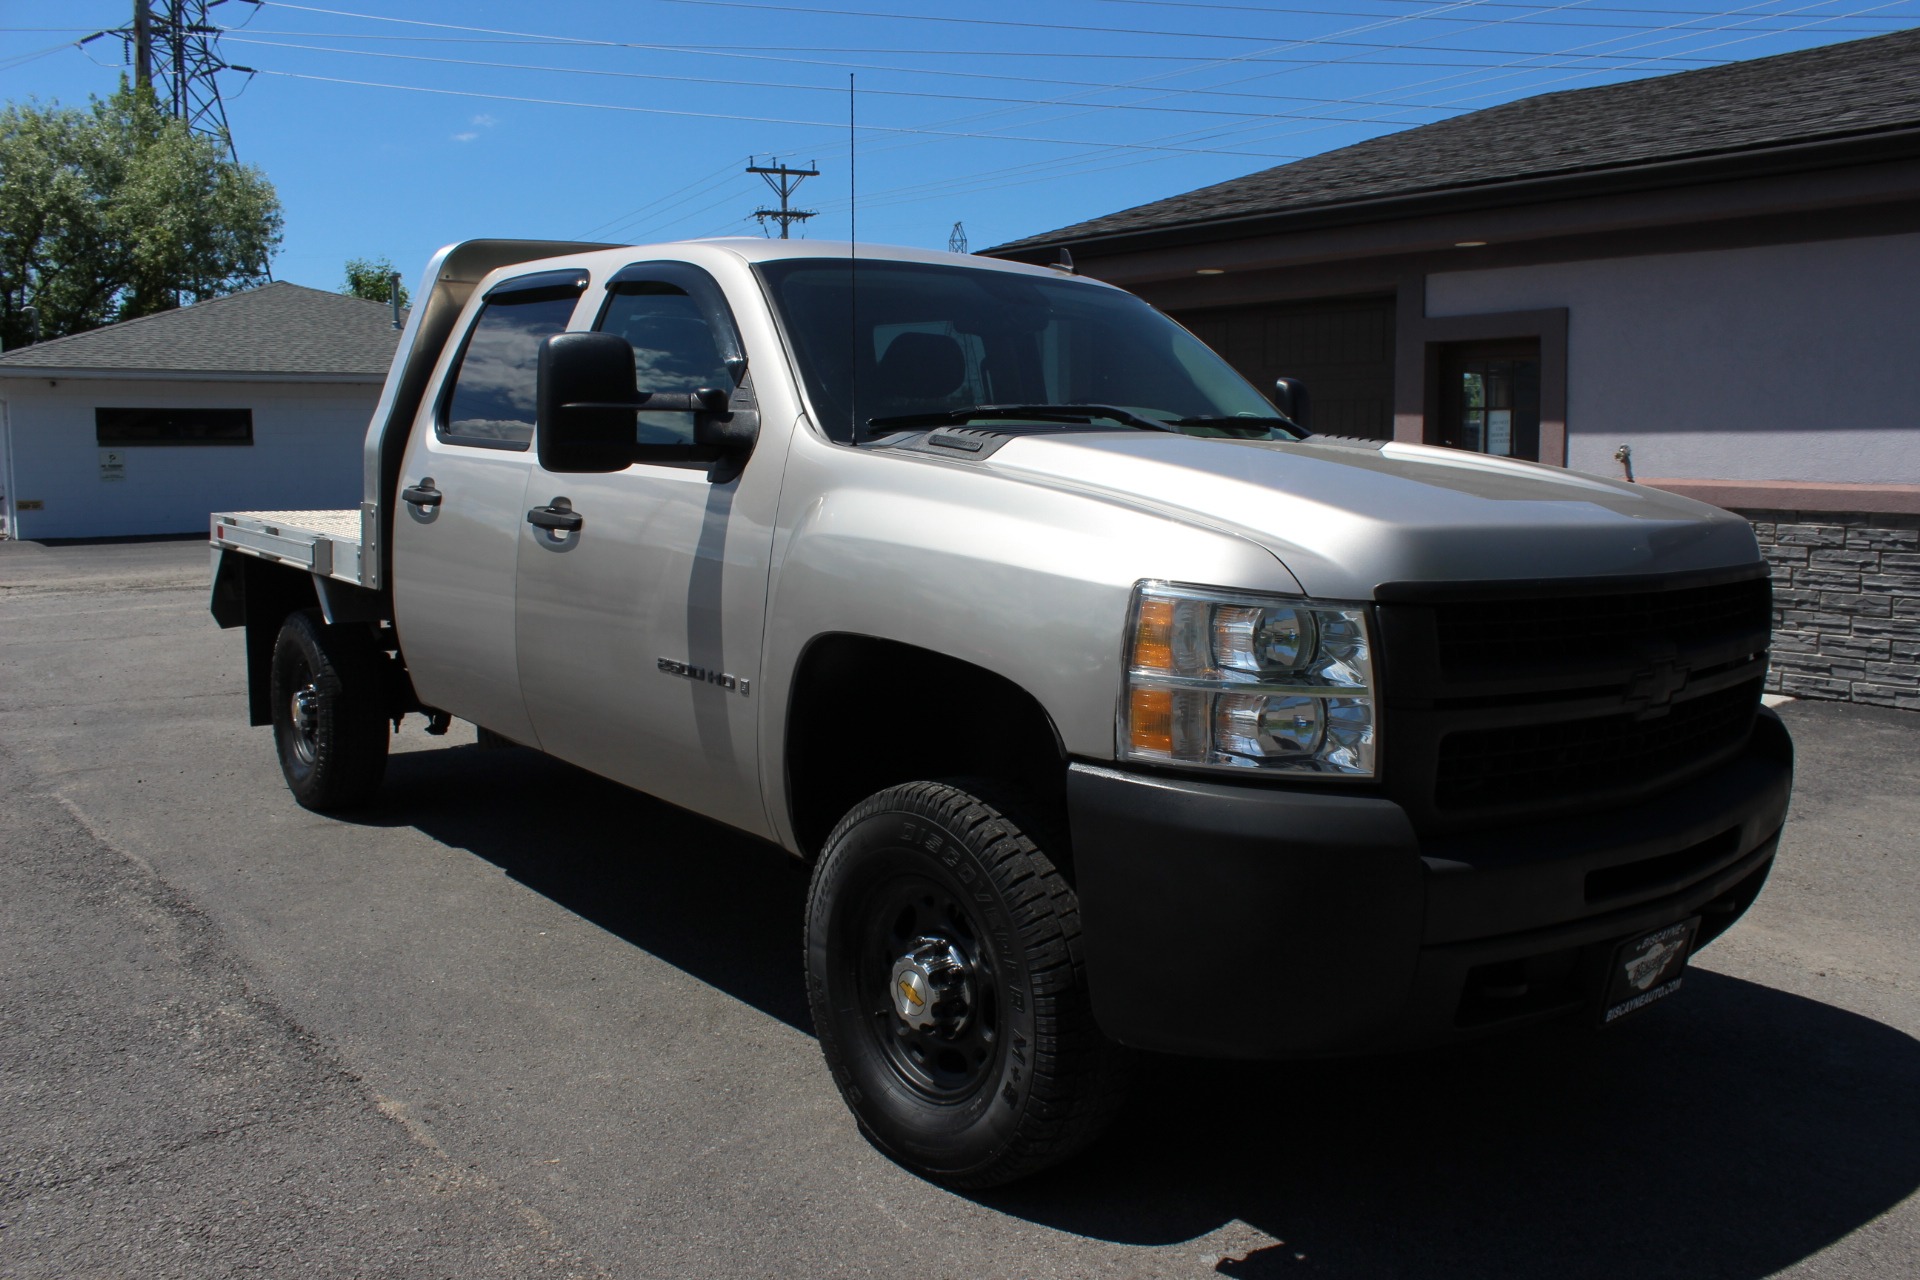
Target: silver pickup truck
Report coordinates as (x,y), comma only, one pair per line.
(1108,705)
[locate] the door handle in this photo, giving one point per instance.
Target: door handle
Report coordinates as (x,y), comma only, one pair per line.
(422,494)
(557,515)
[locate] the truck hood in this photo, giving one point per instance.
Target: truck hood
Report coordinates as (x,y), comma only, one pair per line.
(1345,518)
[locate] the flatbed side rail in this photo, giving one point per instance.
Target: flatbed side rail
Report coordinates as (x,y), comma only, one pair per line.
(323,543)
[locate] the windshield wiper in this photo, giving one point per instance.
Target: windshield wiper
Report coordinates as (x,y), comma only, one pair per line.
(1239,421)
(1030,412)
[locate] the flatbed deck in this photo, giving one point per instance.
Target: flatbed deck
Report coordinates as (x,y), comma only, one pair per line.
(322,542)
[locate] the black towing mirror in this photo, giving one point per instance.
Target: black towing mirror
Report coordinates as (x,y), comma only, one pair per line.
(1291,398)
(587,398)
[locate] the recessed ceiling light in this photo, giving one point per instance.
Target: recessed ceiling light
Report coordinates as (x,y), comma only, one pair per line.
(1469,244)
(1211,271)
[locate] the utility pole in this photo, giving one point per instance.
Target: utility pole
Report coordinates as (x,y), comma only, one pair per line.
(957,239)
(784,182)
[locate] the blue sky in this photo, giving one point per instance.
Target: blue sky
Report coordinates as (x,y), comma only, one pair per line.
(393,128)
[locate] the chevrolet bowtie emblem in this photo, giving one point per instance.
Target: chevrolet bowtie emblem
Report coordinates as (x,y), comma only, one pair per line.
(914,998)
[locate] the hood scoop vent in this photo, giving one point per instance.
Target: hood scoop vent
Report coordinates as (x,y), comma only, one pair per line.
(1346,442)
(963,444)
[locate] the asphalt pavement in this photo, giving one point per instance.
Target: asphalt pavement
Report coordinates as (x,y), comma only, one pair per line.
(517,1021)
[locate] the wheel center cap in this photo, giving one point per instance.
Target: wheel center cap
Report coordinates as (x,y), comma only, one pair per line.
(931,987)
(305,709)
(910,992)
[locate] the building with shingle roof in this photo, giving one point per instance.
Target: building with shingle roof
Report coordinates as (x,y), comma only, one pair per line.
(255,399)
(1795,111)
(1708,281)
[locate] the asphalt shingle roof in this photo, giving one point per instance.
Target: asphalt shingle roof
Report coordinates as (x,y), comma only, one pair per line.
(278,328)
(1851,89)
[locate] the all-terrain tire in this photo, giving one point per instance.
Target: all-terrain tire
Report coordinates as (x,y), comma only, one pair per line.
(329,712)
(930,885)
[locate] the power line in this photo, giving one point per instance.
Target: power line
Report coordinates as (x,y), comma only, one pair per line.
(719,115)
(1283,41)
(689,192)
(1104,155)
(750,50)
(1077,28)
(1490,4)
(1103,160)
(821,88)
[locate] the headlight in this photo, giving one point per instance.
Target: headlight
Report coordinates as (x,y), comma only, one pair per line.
(1230,680)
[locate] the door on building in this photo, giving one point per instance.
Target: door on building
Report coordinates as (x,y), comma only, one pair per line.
(1342,348)
(1490,398)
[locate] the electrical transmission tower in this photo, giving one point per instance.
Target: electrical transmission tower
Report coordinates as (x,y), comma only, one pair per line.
(784,182)
(173,50)
(957,239)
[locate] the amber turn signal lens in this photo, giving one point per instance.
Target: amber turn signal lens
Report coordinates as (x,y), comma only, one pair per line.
(1153,638)
(1150,721)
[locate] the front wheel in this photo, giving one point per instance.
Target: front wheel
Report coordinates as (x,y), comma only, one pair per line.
(329,712)
(948,990)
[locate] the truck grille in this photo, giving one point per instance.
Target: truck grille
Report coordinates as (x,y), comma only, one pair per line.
(1486,768)
(1586,629)
(1516,701)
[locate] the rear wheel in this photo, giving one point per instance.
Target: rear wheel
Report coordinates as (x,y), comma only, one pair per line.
(948,991)
(329,712)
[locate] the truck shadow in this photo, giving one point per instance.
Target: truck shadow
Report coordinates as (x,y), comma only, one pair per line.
(1732,1132)
(717,904)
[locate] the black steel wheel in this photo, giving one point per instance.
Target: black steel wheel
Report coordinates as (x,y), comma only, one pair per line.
(948,992)
(329,712)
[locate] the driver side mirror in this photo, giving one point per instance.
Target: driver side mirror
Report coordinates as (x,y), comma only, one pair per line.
(587,398)
(584,403)
(1291,398)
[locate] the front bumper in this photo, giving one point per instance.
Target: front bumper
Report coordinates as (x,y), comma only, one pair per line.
(1254,922)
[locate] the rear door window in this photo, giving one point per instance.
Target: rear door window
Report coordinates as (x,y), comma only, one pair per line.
(490,397)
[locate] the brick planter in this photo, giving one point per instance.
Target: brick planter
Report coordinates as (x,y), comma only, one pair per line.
(1846,605)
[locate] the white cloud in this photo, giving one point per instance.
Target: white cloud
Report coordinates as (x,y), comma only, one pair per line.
(465,137)
(485,121)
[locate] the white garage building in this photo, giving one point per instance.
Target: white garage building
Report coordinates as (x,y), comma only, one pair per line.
(255,400)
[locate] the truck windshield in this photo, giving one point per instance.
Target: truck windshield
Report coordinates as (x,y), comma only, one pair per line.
(883,344)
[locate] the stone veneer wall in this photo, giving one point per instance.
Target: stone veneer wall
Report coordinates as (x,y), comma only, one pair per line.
(1846,605)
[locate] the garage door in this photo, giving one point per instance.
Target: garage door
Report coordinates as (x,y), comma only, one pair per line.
(1342,348)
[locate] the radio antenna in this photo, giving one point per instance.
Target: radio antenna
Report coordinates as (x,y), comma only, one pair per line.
(853,282)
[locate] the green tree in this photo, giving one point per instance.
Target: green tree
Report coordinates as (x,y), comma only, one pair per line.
(120,211)
(373,279)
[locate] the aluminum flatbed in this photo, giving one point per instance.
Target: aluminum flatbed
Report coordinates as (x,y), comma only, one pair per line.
(324,543)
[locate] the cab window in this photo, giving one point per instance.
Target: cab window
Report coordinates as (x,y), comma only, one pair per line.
(674,350)
(491,399)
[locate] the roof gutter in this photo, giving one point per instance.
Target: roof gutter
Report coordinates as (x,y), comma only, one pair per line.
(1827,153)
(36,371)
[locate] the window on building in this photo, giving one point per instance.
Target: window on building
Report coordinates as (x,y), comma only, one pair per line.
(115,428)
(492,399)
(1490,398)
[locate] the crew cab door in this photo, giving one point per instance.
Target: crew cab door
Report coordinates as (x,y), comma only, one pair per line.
(639,633)
(459,515)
